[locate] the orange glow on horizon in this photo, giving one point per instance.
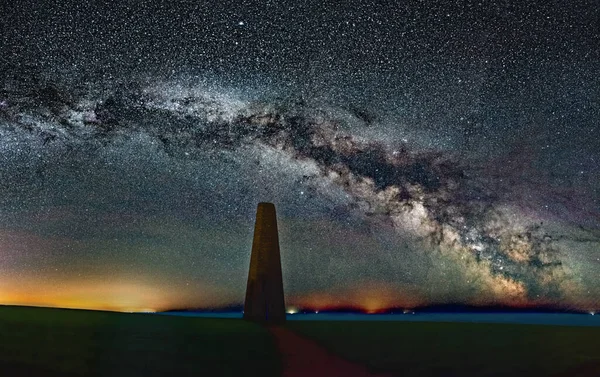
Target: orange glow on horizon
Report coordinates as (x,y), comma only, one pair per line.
(374,297)
(112,295)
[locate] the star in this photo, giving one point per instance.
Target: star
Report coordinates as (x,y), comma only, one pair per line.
(401,157)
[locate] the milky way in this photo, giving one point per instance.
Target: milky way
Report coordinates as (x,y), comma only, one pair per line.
(400,185)
(463,212)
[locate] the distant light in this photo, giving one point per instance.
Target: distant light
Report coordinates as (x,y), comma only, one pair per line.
(592,313)
(316,312)
(292,310)
(139,310)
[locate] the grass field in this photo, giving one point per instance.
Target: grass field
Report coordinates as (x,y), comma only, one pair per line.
(55,342)
(461,349)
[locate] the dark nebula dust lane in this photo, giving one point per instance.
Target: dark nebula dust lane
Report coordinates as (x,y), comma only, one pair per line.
(465,173)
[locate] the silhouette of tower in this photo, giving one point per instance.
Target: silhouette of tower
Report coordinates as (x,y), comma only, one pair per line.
(264,291)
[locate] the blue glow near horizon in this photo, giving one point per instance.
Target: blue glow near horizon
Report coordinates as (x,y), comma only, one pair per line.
(558,319)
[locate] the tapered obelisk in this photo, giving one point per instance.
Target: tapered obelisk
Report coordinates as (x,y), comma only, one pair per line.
(264,292)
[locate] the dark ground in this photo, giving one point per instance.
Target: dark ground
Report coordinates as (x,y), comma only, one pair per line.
(461,349)
(56,342)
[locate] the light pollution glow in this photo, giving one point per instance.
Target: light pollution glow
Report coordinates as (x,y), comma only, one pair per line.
(99,294)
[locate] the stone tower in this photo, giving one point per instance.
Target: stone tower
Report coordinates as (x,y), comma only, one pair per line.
(264,291)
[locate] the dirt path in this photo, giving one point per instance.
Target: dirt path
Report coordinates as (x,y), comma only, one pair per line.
(303,357)
(591,369)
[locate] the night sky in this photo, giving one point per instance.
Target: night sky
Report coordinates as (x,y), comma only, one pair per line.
(418,153)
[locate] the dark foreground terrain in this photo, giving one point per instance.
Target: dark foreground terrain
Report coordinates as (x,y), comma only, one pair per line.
(461,349)
(55,342)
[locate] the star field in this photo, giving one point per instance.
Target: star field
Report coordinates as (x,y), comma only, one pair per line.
(417,154)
